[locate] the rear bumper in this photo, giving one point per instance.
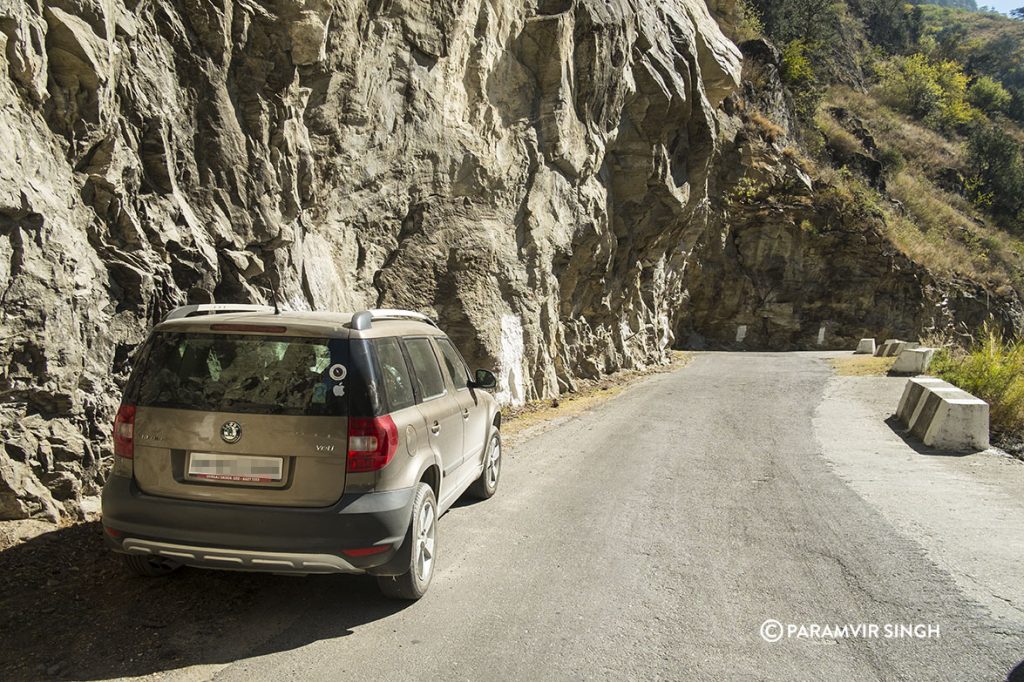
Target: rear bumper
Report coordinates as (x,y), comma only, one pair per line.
(238,559)
(250,537)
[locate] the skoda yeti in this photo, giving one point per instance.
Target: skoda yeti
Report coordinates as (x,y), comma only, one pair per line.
(299,442)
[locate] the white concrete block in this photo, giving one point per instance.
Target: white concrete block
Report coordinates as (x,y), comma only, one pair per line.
(741,333)
(865,347)
(942,416)
(958,424)
(911,397)
(885,348)
(895,348)
(821,335)
(913,361)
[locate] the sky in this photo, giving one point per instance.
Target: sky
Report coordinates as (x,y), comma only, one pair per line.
(1003,6)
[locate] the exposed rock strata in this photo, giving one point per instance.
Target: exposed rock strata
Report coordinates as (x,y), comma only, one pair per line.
(546,177)
(520,170)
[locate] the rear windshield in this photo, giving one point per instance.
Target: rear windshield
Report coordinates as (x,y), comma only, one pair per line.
(255,374)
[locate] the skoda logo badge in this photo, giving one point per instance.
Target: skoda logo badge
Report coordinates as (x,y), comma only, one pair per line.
(231,432)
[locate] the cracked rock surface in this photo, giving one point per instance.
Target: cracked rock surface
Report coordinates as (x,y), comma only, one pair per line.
(543,177)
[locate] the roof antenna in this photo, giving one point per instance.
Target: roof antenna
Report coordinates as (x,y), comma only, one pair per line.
(273,290)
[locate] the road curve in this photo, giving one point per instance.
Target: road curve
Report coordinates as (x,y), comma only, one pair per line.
(651,538)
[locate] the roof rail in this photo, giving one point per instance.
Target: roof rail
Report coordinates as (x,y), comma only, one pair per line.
(214,309)
(364,319)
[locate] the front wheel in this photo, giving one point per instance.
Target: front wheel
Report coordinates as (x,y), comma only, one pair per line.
(414,582)
(484,487)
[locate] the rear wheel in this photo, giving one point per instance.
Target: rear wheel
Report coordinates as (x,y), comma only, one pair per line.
(414,582)
(485,486)
(149,566)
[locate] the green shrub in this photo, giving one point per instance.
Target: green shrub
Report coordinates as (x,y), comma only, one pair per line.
(993,370)
(796,65)
(934,92)
(798,73)
(989,95)
(998,163)
(749,24)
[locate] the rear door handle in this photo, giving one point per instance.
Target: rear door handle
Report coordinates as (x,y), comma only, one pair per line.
(435,428)
(465,413)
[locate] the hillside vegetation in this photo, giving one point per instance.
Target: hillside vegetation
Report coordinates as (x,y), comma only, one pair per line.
(911,115)
(915,112)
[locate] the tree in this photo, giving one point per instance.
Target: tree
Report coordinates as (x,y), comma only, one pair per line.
(1000,169)
(788,20)
(934,92)
(989,95)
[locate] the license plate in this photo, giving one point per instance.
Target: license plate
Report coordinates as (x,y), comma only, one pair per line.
(241,468)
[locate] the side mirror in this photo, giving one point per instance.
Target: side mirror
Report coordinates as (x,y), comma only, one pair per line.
(484,379)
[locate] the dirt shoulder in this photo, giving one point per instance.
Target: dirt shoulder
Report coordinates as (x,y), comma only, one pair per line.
(523,421)
(862,365)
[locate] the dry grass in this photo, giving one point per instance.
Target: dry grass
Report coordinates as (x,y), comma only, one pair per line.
(862,366)
(838,136)
(768,129)
(589,394)
(940,231)
(920,146)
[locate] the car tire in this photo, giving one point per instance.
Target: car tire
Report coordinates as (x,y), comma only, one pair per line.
(149,567)
(484,487)
(422,532)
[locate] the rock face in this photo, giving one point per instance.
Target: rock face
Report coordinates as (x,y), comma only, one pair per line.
(788,262)
(521,170)
(547,178)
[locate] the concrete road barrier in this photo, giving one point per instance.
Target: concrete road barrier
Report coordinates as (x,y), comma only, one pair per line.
(913,360)
(942,416)
(883,349)
(911,397)
(865,347)
(890,348)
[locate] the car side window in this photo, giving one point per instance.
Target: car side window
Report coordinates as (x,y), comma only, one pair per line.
(394,374)
(424,365)
(456,365)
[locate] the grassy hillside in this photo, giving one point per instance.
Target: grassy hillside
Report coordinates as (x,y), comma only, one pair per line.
(913,114)
(915,111)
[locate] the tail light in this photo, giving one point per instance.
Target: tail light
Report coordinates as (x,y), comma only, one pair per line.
(124,432)
(372,442)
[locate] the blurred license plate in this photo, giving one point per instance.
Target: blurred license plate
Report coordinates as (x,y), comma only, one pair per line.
(235,467)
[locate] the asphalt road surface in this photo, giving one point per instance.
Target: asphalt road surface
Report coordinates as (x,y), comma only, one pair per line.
(652,537)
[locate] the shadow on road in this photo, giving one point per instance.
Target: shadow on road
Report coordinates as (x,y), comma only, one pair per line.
(920,448)
(68,609)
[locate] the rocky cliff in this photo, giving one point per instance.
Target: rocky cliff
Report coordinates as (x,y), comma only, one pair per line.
(551,179)
(788,260)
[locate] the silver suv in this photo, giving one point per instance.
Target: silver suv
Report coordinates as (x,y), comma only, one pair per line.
(298,442)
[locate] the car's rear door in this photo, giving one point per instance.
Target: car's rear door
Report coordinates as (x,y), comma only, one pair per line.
(439,408)
(472,408)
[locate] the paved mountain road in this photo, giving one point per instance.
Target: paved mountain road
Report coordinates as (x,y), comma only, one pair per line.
(649,538)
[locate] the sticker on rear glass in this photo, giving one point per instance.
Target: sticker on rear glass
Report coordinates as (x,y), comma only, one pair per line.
(339,390)
(338,372)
